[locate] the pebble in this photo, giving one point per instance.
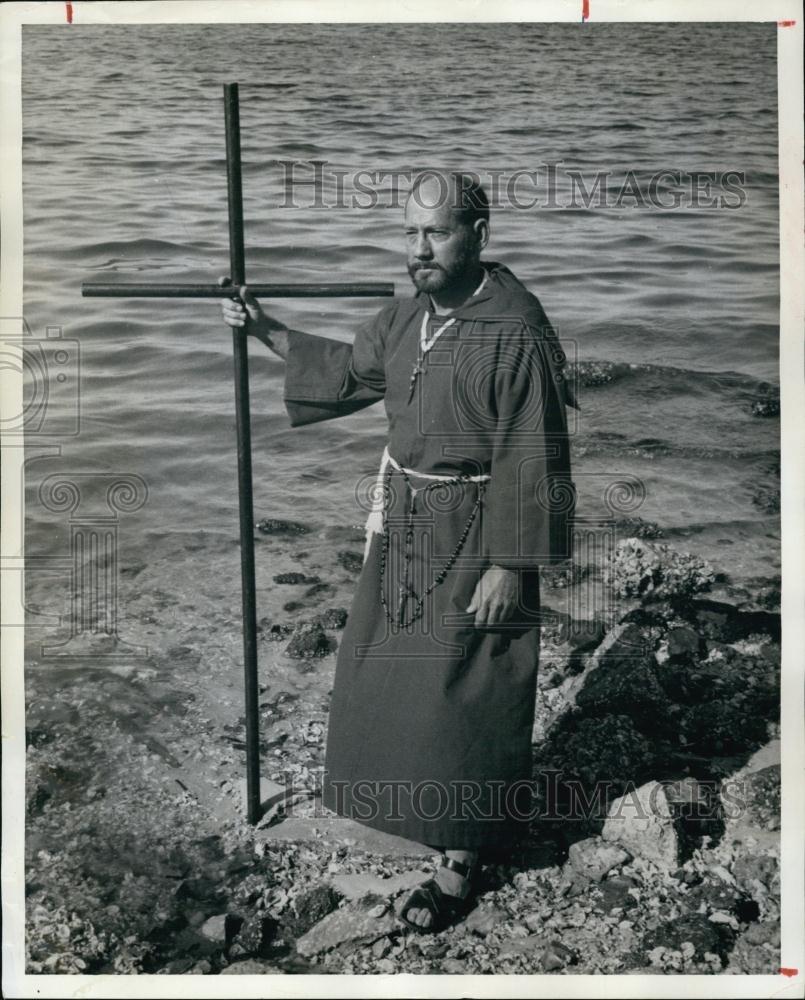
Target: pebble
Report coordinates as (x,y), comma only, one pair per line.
(382,947)
(483,919)
(275,526)
(214,929)
(593,858)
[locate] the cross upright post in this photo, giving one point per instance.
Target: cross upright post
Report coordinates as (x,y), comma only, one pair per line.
(237,271)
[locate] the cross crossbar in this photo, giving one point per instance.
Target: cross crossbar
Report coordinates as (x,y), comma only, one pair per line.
(360,290)
(237,272)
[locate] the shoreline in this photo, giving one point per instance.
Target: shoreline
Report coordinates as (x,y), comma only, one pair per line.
(138,858)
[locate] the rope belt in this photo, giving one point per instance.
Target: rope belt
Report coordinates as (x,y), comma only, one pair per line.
(377,522)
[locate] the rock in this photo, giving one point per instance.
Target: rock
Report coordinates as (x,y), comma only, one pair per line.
(385,967)
(653,571)
(600,752)
(357,886)
(723,727)
(593,373)
(483,919)
(381,947)
(642,822)
(275,526)
(454,966)
(256,934)
(695,928)
(349,924)
(761,791)
(614,893)
(697,809)
(768,406)
(683,644)
(749,959)
(564,575)
(202,968)
(308,642)
(753,872)
(628,686)
(351,561)
(721,917)
(202,890)
(637,527)
(221,928)
(295,578)
(557,956)
(725,623)
(715,895)
(251,967)
(309,909)
(593,858)
(179,966)
(273,632)
(522,946)
(768,933)
(332,618)
(214,929)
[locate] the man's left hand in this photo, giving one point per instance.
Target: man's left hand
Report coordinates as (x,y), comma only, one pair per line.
(495,597)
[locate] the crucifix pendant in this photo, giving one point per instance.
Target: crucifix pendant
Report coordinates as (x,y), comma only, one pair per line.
(417,371)
(402,600)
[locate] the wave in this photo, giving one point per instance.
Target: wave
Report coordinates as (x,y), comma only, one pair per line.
(121,250)
(595,374)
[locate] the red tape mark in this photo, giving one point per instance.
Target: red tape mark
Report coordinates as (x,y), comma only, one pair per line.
(69,12)
(585,10)
(789,972)
(786,24)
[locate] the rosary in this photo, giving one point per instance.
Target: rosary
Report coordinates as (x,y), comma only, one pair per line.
(406,590)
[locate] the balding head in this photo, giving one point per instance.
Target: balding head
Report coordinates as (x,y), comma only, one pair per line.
(461,192)
(446,228)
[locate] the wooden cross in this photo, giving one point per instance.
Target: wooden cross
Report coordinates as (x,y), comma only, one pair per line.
(237,271)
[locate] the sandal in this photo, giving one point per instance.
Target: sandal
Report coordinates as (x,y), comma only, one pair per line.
(444,908)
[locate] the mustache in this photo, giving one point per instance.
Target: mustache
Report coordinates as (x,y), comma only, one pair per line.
(424,267)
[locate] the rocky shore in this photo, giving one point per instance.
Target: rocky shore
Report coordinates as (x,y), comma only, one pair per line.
(655,843)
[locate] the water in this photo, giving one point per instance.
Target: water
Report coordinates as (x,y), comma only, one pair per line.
(124,180)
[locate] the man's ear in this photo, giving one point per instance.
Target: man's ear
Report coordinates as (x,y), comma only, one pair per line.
(481,227)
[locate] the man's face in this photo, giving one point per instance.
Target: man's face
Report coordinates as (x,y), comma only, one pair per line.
(442,250)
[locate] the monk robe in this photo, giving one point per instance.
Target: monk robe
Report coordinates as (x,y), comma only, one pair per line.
(431,718)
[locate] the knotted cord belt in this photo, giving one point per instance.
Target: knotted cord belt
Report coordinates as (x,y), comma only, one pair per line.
(377,522)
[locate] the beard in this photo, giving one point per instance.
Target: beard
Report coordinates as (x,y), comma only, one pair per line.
(429,278)
(432,277)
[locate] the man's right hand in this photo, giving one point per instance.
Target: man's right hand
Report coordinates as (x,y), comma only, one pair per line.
(246,313)
(235,310)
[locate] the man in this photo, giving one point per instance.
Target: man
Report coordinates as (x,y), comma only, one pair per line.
(433,702)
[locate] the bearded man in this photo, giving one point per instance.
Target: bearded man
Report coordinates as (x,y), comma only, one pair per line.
(432,709)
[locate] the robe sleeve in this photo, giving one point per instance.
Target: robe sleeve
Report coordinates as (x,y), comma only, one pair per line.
(530,500)
(326,378)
